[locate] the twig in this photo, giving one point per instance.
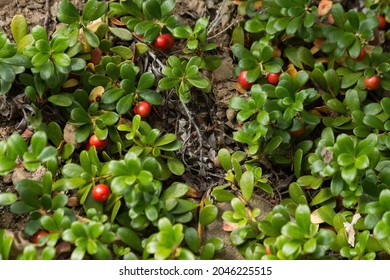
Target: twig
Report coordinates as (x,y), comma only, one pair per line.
(217,18)
(224,30)
(202,171)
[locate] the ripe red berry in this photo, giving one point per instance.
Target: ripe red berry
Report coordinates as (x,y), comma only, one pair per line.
(382,22)
(361,55)
(164,42)
(38,236)
(273,78)
(268,250)
(142,108)
(101,192)
(95,141)
(243,82)
(372,83)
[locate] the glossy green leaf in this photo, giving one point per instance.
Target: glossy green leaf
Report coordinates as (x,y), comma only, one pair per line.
(176,166)
(208,214)
(67,13)
(176,190)
(192,239)
(19,27)
(61,100)
(122,51)
(247,182)
(7,198)
(224,159)
(91,37)
(322,196)
(151,96)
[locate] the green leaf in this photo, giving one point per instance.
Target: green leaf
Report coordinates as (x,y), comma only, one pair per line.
(207,252)
(7,73)
(224,159)
(124,104)
(176,190)
(61,100)
(47,153)
(297,194)
(122,33)
(151,96)
(39,33)
(167,83)
(165,139)
(38,142)
(112,95)
(293,231)
(310,246)
(40,59)
(98,80)
(192,239)
(199,82)
(80,116)
(382,230)
(17,144)
(349,174)
(302,217)
(59,44)
(67,13)
(19,27)
(184,206)
(176,166)
(362,162)
(252,26)
(384,199)
(238,36)
(208,214)
(327,214)
(93,10)
(247,182)
(222,195)
(152,9)
(385,103)
(151,213)
(322,196)
(146,81)
(333,81)
(91,37)
(273,144)
(7,199)
(122,51)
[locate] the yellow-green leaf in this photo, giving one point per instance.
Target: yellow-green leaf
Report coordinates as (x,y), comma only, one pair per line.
(19,28)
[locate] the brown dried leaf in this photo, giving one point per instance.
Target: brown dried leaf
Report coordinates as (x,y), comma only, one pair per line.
(228,226)
(324,7)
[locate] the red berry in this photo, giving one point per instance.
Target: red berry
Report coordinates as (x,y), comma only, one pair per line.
(273,78)
(164,42)
(243,81)
(38,236)
(142,108)
(268,250)
(101,192)
(382,22)
(372,83)
(95,141)
(361,55)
